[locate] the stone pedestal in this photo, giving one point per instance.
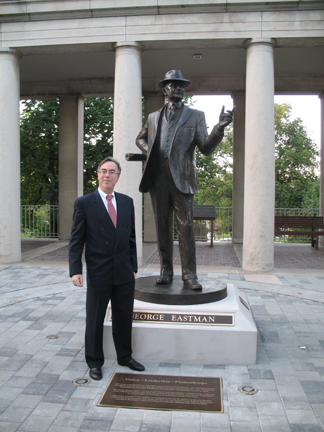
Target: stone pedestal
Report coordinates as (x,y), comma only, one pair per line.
(190,335)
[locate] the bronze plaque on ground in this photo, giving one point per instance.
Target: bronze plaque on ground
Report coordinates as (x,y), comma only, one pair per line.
(163,392)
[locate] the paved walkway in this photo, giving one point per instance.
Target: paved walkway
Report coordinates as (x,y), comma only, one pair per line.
(36,373)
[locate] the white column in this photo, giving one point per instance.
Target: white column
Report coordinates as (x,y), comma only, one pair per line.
(152,103)
(322,156)
(238,168)
(259,184)
(128,123)
(70,160)
(10,240)
(321,203)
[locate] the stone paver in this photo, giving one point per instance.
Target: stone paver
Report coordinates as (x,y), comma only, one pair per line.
(36,372)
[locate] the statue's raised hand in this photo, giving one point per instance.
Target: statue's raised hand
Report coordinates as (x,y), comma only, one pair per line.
(225,118)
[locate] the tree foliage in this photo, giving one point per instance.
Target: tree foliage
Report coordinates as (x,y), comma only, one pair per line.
(39,128)
(39,152)
(295,160)
(98,137)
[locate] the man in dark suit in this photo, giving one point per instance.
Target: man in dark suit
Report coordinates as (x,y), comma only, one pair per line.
(110,253)
(169,139)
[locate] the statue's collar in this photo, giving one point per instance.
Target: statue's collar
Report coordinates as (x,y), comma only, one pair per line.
(175,105)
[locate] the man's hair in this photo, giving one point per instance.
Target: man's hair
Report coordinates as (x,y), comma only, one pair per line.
(110,159)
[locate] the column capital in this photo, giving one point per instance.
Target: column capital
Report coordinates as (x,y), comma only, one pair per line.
(72,96)
(12,51)
(259,41)
(136,45)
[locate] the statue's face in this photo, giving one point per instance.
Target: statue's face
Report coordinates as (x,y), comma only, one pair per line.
(174,91)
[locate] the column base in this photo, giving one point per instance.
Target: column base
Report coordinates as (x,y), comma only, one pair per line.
(257,266)
(237,240)
(10,259)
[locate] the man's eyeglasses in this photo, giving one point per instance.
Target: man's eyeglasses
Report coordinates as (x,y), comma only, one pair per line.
(110,172)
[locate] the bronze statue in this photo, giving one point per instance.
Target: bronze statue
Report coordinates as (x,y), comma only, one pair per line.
(169,139)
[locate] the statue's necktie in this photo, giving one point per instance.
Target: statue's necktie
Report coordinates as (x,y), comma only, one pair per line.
(171,113)
(111,210)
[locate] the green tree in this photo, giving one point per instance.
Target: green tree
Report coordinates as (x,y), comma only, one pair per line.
(295,160)
(98,137)
(39,152)
(311,198)
(39,128)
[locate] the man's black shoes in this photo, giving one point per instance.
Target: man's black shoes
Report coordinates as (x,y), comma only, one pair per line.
(95,373)
(134,365)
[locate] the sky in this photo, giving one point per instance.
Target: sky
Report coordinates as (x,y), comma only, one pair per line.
(308,108)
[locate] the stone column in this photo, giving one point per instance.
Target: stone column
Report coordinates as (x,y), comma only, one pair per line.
(259,182)
(70,160)
(128,123)
(10,241)
(238,168)
(152,103)
(322,156)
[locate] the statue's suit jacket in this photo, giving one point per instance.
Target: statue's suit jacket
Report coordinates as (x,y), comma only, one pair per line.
(110,252)
(190,132)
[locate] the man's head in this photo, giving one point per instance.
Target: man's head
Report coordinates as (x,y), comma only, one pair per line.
(173,85)
(108,174)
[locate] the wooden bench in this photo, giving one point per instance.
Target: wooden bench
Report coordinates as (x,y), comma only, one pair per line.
(300,226)
(206,212)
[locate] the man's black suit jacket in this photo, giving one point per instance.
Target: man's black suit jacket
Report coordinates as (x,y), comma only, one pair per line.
(110,252)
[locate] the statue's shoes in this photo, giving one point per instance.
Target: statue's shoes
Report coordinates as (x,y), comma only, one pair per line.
(164,279)
(192,284)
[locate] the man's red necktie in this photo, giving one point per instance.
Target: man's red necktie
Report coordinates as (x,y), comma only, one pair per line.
(111,210)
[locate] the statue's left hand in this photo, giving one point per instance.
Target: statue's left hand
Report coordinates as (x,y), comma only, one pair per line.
(225,118)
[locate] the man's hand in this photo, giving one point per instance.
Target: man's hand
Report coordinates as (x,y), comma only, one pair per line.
(225,118)
(77,280)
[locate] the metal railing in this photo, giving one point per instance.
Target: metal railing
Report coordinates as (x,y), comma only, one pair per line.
(39,221)
(223,225)
(298,212)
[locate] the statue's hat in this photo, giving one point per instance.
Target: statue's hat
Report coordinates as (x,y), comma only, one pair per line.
(173,75)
